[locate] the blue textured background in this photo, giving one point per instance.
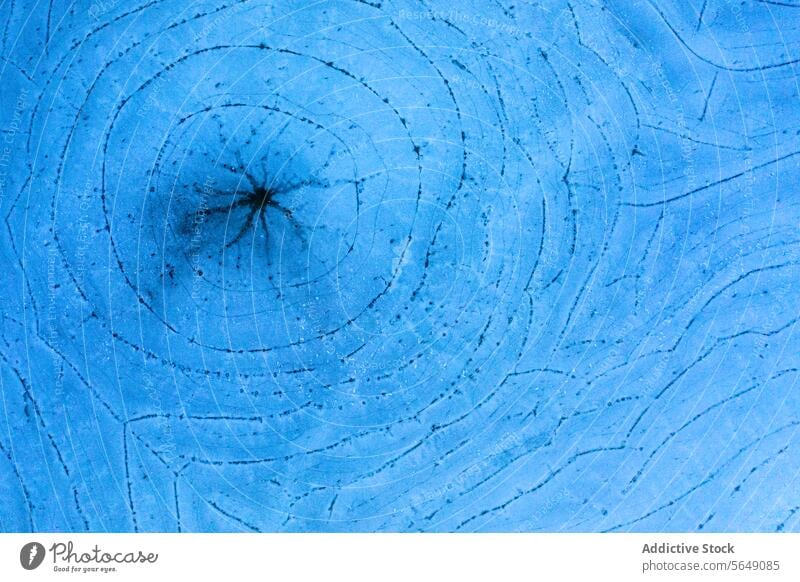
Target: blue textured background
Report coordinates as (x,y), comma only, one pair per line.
(535,266)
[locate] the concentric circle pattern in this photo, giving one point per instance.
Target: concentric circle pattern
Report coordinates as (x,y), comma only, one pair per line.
(367,266)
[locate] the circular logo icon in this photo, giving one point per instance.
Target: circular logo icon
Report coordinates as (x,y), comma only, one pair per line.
(31,555)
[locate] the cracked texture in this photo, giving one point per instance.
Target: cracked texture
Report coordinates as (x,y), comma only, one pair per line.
(388,266)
